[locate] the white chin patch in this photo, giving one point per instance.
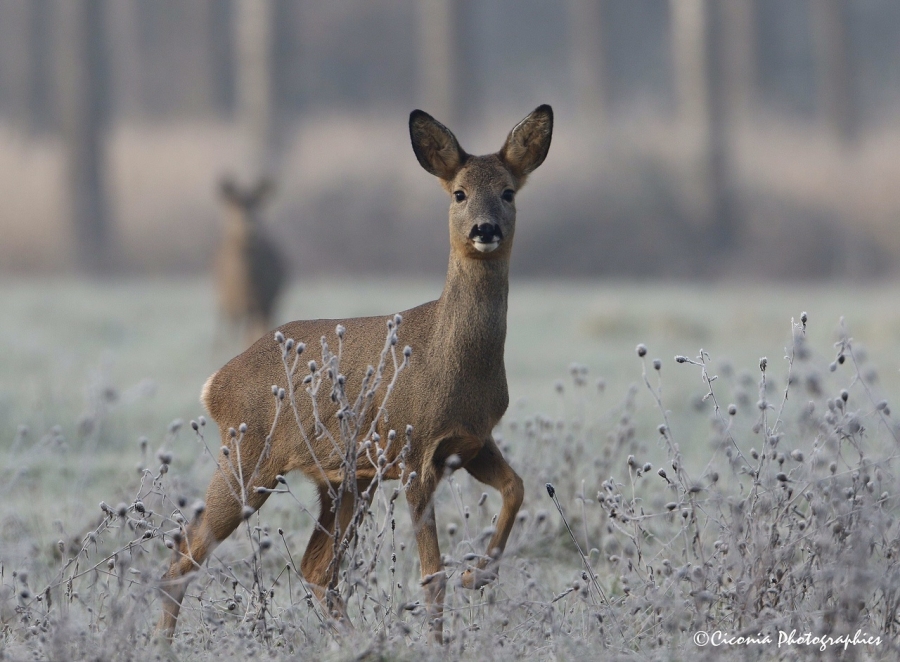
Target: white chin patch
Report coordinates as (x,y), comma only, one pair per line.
(485,248)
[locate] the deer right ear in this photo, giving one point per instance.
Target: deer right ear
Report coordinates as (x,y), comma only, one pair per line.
(435,146)
(264,190)
(228,188)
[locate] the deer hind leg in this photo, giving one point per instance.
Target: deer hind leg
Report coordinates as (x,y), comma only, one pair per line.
(223,513)
(490,468)
(316,566)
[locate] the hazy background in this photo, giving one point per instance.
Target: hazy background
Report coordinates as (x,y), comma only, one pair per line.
(693,138)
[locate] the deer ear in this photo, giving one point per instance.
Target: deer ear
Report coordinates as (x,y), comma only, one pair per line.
(435,146)
(527,144)
(263,190)
(228,189)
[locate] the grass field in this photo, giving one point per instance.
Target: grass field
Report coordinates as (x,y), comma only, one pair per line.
(87,370)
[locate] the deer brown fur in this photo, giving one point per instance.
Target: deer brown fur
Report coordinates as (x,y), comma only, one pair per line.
(249,272)
(453,395)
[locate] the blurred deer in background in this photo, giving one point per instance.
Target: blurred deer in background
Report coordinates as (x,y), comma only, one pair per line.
(452,398)
(249,271)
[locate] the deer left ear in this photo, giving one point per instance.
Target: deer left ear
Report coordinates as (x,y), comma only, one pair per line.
(262,192)
(527,144)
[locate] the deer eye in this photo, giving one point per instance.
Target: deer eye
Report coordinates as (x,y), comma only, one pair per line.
(459,196)
(508,195)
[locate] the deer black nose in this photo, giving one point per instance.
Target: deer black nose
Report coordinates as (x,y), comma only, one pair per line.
(486,233)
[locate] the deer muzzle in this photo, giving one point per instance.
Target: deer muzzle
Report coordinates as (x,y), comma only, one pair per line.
(486,236)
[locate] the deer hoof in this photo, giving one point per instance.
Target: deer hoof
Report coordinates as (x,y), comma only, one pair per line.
(475,578)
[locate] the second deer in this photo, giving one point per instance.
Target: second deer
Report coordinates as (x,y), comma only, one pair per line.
(249,271)
(453,395)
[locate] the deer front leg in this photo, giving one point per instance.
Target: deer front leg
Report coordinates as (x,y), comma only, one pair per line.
(490,468)
(434,581)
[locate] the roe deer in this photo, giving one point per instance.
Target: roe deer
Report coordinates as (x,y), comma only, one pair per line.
(453,397)
(249,271)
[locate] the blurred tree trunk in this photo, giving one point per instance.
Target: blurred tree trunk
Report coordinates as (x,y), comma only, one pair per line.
(712,40)
(689,44)
(126,66)
(588,61)
(253,31)
(438,58)
(833,73)
(222,54)
(42,46)
(81,71)
(14,68)
(196,53)
(737,56)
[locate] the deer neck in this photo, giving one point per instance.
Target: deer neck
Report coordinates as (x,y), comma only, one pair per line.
(471,312)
